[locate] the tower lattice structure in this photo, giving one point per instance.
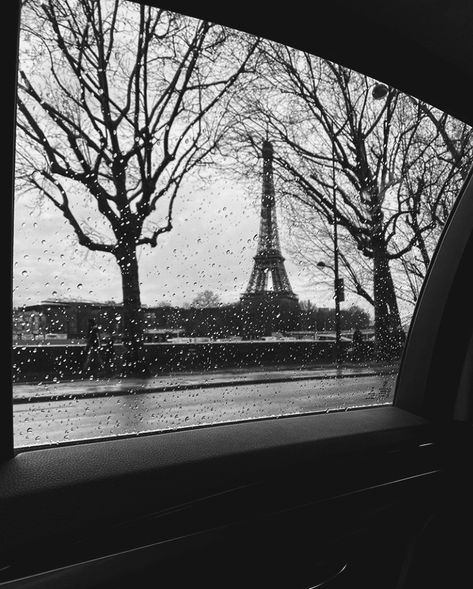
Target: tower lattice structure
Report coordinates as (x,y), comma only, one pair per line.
(269,281)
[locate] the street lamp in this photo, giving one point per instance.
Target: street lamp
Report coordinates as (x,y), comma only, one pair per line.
(379,91)
(338,282)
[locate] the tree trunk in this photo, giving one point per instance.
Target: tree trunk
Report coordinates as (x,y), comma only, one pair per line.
(134,360)
(387,322)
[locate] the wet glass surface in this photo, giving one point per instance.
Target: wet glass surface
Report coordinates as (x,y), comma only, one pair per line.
(210,227)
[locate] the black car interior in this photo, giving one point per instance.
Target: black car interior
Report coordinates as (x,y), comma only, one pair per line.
(372,498)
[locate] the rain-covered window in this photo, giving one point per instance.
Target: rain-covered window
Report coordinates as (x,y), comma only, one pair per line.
(210,227)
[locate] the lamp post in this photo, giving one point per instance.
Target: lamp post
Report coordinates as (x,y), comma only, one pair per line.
(335,264)
(338,282)
(378,92)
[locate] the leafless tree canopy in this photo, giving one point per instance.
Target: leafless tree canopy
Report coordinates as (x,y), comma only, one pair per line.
(114,101)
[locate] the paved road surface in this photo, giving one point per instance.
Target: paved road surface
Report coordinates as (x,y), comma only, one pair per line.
(82,417)
(48,390)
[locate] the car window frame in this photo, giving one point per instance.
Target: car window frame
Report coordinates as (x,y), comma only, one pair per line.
(11,73)
(408,394)
(419,386)
(54,478)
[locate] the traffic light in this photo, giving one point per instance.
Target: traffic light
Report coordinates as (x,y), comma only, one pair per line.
(339,290)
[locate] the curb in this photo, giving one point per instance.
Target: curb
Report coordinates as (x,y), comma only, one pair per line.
(174,388)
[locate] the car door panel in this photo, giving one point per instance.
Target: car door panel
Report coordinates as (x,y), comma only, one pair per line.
(302,513)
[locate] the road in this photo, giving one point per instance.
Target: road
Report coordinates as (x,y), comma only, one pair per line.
(53,421)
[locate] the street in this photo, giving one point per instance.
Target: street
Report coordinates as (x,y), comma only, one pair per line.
(73,417)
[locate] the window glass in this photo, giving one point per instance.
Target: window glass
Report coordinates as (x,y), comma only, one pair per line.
(209,226)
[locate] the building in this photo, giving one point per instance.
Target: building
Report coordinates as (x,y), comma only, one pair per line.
(65,319)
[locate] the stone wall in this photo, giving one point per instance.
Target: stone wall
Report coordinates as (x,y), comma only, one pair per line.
(58,362)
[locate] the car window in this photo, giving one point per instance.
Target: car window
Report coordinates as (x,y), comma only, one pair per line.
(209,226)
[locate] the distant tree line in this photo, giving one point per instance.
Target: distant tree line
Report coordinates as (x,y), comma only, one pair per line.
(227,320)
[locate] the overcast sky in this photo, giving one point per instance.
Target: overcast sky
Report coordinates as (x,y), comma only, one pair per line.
(210,248)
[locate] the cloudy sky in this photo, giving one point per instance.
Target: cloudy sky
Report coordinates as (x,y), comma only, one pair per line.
(211,247)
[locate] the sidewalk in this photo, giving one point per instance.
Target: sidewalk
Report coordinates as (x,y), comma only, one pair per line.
(104,387)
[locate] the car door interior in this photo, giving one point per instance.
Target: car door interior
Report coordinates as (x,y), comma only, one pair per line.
(281,507)
(375,497)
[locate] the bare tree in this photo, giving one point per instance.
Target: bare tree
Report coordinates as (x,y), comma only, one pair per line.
(379,156)
(205,300)
(311,242)
(455,136)
(118,103)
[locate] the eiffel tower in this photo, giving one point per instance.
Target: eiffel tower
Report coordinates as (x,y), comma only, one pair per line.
(269,289)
